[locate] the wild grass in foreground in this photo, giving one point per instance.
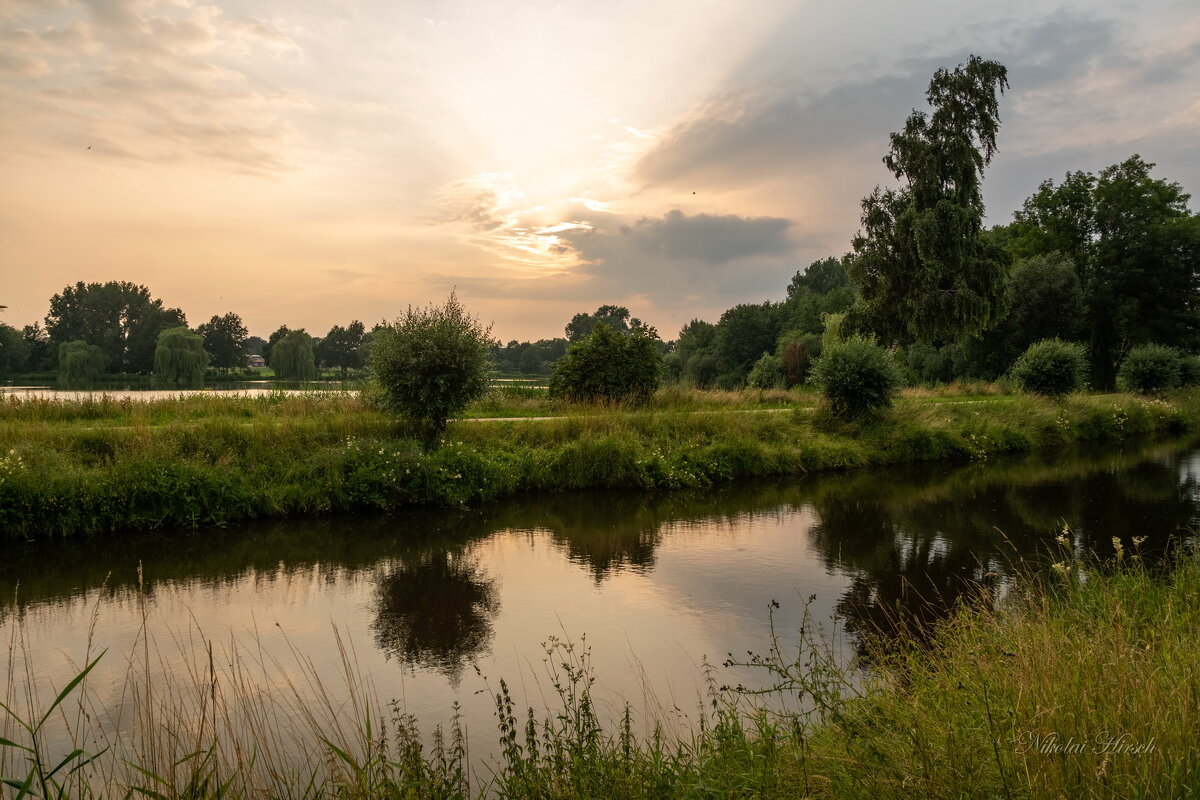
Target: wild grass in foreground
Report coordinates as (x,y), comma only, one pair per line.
(1083,684)
(100,465)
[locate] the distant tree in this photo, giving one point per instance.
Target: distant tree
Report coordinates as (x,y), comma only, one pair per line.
(179,359)
(292,357)
(1136,249)
(225,341)
(272,340)
(79,363)
(615,317)
(606,365)
(431,363)
(38,353)
(14,351)
(820,277)
(121,318)
(743,334)
(342,347)
(254,345)
(921,262)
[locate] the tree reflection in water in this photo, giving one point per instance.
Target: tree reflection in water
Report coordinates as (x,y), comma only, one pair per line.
(435,610)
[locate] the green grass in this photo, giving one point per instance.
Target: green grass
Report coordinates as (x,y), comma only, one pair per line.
(1082,682)
(98,464)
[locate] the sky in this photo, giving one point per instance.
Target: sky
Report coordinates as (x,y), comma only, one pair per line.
(308,163)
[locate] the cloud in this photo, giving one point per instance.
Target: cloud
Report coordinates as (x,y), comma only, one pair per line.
(676,237)
(150,81)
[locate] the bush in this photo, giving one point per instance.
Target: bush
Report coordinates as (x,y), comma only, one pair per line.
(1189,371)
(431,363)
(1151,368)
(767,373)
(1051,367)
(856,376)
(292,357)
(606,365)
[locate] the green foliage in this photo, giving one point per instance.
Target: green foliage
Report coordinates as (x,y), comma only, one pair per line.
(272,340)
(292,357)
(14,351)
(121,318)
(179,359)
(767,373)
(743,334)
(1151,368)
(225,341)
(79,364)
(1136,250)
(1051,367)
(608,366)
(855,375)
(1189,370)
(342,347)
(431,363)
(615,317)
(921,262)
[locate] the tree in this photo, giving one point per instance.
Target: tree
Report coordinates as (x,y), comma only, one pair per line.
(255,344)
(821,277)
(341,347)
(921,262)
(179,359)
(272,340)
(79,363)
(743,334)
(225,340)
(292,357)
(121,318)
(1136,249)
(38,352)
(14,351)
(431,363)
(615,317)
(610,366)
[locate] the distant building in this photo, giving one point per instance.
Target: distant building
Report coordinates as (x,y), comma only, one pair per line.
(255,361)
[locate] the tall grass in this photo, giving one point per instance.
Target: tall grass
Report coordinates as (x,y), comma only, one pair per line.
(1083,682)
(103,465)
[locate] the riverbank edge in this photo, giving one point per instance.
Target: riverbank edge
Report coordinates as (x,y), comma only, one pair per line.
(62,478)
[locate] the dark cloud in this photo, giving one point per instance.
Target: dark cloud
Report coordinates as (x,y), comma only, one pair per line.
(709,238)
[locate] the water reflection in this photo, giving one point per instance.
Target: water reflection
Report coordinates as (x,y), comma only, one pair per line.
(436,611)
(895,547)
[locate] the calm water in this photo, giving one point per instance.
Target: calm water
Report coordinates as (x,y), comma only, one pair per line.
(437,605)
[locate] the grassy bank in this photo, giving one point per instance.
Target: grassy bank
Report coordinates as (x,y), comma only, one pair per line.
(1082,683)
(103,465)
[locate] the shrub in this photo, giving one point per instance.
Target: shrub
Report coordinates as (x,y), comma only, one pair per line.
(179,358)
(1051,367)
(1189,371)
(767,373)
(431,363)
(606,365)
(1151,368)
(292,357)
(80,363)
(856,376)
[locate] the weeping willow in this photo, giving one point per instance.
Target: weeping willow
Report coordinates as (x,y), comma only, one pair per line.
(179,359)
(79,364)
(292,357)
